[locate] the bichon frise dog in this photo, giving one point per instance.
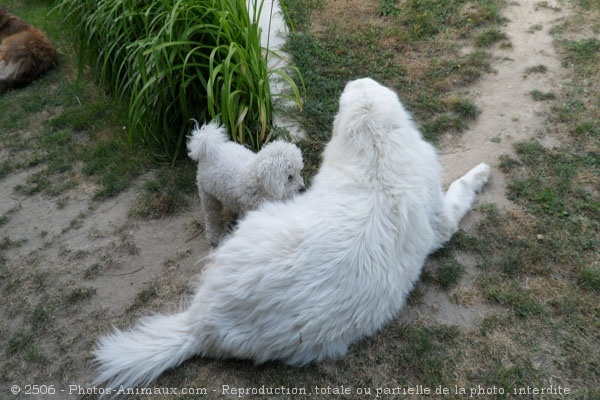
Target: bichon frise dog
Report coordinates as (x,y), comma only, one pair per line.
(302,280)
(233,178)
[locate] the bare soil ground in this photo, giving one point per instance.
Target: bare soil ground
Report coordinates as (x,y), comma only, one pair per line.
(112,259)
(508,112)
(508,115)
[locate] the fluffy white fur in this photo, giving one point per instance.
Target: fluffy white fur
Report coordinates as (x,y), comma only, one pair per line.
(8,71)
(231,177)
(299,281)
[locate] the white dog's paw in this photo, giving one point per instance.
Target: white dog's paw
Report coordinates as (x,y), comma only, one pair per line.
(477,177)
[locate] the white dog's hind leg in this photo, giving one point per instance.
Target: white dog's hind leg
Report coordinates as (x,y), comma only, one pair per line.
(213,220)
(461,194)
(458,199)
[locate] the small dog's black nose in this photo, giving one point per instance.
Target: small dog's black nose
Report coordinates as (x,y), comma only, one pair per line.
(302,190)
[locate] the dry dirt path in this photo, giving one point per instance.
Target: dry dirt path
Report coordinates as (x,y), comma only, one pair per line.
(508,115)
(508,112)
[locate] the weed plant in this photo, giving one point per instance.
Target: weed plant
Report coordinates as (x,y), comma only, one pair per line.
(174,60)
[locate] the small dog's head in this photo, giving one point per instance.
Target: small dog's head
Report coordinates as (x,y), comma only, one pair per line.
(279,165)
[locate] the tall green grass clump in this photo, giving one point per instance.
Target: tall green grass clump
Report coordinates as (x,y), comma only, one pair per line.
(174,60)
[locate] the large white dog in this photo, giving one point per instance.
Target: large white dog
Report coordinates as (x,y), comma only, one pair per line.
(302,280)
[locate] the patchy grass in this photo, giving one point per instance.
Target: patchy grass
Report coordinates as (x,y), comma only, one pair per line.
(446,275)
(535,28)
(143,297)
(490,37)
(538,95)
(388,7)
(536,69)
(77,294)
(411,46)
(168,192)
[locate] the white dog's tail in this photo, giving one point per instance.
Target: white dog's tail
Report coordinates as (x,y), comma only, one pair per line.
(137,357)
(203,139)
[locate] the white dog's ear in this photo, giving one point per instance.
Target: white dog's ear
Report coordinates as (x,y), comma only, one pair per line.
(271,173)
(272,177)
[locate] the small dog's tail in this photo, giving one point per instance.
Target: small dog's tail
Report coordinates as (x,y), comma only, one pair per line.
(203,139)
(137,357)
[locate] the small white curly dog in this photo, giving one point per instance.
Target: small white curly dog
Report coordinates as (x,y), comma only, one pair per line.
(233,178)
(299,281)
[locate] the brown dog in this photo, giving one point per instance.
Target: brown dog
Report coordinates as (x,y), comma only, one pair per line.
(25,52)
